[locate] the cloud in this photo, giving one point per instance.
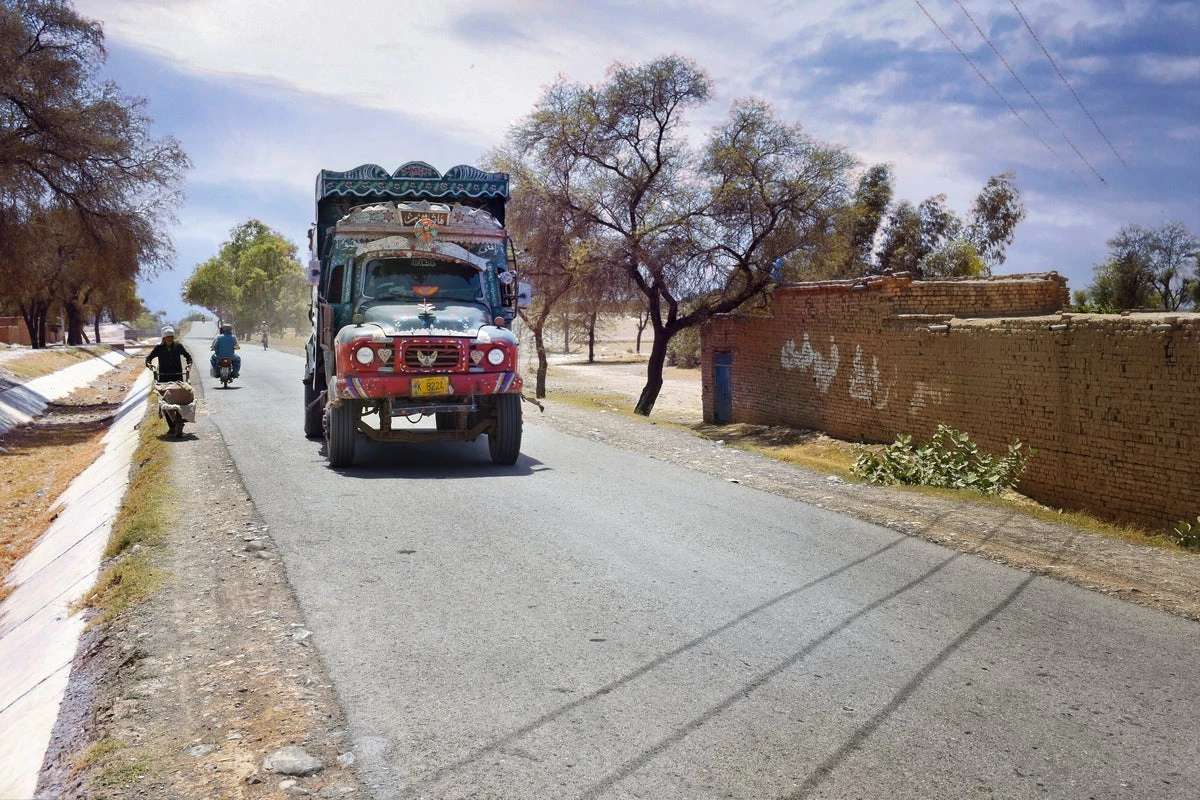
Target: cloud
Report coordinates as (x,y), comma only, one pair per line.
(266,93)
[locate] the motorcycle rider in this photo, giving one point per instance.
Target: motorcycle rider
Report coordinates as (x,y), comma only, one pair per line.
(171,355)
(224,345)
(264,329)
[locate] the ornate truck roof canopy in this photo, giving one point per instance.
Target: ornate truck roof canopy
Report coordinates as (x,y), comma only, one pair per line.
(338,192)
(413,181)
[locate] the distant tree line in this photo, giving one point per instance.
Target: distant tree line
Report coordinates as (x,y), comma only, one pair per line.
(86,193)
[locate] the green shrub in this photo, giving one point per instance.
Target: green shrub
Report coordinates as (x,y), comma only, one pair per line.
(950,460)
(1187,535)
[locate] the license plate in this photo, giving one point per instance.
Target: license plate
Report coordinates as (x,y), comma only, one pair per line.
(423,387)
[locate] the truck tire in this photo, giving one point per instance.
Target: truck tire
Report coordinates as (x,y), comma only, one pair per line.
(312,412)
(339,438)
(504,438)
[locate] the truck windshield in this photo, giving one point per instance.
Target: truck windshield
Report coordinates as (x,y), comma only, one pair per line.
(420,279)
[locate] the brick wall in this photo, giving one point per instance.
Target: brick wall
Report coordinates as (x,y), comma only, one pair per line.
(1111,403)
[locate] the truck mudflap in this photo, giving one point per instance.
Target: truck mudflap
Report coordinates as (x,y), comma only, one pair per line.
(379,387)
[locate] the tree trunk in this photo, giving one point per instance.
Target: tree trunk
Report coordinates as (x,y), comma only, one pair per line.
(643,321)
(566,334)
(74,324)
(35,324)
(96,326)
(592,337)
(539,342)
(654,373)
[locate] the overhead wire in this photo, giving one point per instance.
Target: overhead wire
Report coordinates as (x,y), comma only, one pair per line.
(1017,78)
(984,78)
(1066,83)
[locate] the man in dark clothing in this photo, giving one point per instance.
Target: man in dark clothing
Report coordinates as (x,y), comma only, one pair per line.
(170,355)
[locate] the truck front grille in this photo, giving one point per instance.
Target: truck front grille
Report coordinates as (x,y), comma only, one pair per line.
(419,357)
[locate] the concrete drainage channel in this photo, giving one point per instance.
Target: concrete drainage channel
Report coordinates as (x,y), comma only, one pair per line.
(20,404)
(38,633)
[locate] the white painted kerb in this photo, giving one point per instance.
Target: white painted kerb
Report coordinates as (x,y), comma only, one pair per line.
(38,634)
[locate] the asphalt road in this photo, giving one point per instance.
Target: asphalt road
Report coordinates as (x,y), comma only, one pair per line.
(594,624)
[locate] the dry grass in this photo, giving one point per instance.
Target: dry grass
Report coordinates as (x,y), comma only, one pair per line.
(37,363)
(809,449)
(113,766)
(43,457)
(816,451)
(138,530)
(289,341)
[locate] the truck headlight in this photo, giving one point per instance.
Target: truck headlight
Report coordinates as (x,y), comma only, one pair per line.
(364,355)
(495,356)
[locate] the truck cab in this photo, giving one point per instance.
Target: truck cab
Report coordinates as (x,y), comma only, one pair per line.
(414,295)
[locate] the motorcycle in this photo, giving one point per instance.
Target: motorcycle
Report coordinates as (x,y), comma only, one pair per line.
(176,403)
(225,371)
(264,340)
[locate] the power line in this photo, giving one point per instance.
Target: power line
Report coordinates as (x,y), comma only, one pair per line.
(1067,83)
(1013,72)
(984,78)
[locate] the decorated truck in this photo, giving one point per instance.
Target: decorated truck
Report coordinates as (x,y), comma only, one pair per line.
(414,295)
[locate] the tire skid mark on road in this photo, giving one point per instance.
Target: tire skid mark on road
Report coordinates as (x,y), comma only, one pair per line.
(633,765)
(629,677)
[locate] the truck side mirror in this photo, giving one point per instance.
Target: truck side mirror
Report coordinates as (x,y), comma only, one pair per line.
(314,272)
(524,295)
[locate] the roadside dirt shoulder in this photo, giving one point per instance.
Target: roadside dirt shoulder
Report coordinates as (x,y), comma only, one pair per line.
(196,689)
(1168,580)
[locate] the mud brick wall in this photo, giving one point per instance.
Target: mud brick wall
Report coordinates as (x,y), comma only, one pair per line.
(1110,403)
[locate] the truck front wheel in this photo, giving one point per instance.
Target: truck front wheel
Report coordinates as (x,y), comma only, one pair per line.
(341,423)
(504,437)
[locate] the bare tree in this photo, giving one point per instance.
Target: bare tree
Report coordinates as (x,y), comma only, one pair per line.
(696,233)
(1147,267)
(542,226)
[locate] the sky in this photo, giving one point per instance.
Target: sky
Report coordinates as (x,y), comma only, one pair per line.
(1094,104)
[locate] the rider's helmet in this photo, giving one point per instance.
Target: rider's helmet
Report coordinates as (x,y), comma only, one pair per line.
(168,331)
(226,328)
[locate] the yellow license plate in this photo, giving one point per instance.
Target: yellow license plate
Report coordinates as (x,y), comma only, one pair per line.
(423,387)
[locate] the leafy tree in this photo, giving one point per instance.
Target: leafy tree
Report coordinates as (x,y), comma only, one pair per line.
(903,247)
(1174,256)
(871,200)
(1148,268)
(994,217)
(76,164)
(931,241)
(255,277)
(956,258)
(696,233)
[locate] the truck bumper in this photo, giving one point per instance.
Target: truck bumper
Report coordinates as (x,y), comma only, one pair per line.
(386,387)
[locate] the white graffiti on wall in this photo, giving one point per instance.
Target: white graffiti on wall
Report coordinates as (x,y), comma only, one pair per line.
(923,395)
(866,386)
(824,368)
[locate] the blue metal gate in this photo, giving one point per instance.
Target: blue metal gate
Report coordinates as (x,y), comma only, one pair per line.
(723,396)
